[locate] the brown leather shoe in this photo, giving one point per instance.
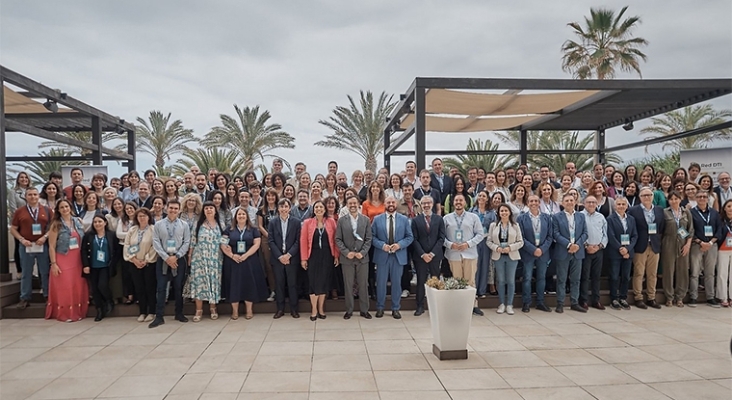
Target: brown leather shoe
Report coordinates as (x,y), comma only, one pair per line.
(653,304)
(295,314)
(598,305)
(23,305)
(279,314)
(640,304)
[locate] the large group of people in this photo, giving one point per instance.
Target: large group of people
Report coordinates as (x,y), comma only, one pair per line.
(210,237)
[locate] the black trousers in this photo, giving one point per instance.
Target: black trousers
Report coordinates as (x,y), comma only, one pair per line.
(145,287)
(128,286)
(591,269)
(99,280)
(425,271)
(16,256)
(286,280)
(372,276)
(337,281)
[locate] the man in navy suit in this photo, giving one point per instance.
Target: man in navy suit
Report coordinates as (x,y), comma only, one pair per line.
(284,243)
(649,222)
(429,237)
(536,229)
(570,232)
(440,181)
(391,235)
(622,236)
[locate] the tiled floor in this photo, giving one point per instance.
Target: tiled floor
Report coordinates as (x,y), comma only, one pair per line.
(650,354)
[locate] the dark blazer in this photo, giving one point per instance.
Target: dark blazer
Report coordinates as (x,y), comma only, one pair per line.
(642,227)
(545,237)
(292,239)
(560,232)
(446,184)
(147,203)
(347,242)
(428,242)
(614,230)
(715,220)
(402,236)
(86,249)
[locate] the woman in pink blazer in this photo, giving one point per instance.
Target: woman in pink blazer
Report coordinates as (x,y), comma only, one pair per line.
(319,256)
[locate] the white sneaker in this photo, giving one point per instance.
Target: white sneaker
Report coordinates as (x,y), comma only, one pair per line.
(405,293)
(509,310)
(149,317)
(141,318)
(414,280)
(271,297)
(501,309)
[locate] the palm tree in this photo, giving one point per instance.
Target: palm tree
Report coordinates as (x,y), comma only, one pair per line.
(39,170)
(686,119)
(161,138)
(251,135)
(225,161)
(490,162)
(665,162)
(360,130)
(605,43)
(84,136)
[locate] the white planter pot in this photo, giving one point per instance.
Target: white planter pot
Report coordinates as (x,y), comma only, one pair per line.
(450,313)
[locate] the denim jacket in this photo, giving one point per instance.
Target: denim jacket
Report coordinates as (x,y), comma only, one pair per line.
(64,235)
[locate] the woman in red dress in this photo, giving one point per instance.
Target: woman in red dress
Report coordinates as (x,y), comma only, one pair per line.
(68,292)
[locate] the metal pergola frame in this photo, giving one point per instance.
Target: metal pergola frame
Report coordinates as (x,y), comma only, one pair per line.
(653,97)
(45,125)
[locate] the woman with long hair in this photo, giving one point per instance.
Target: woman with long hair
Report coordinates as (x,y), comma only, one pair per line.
(220,182)
(242,275)
(502,183)
(617,186)
(304,181)
(341,194)
(267,181)
(158,209)
(279,180)
(319,256)
(91,208)
(255,195)
(681,174)
(289,193)
(232,196)
(222,211)
(99,260)
(78,194)
(374,204)
(139,252)
(50,195)
(565,183)
(157,188)
(519,199)
(206,261)
(265,214)
(646,179)
(519,178)
(108,195)
(605,204)
(316,192)
(113,218)
(126,220)
(483,210)
(331,207)
(706,183)
(171,190)
(332,210)
(16,198)
(547,199)
(675,246)
(249,176)
(505,240)
(238,181)
(724,257)
(320,178)
(688,194)
(190,209)
(357,180)
(130,192)
(631,173)
(395,187)
(664,186)
(630,192)
(68,292)
(329,190)
(458,187)
(585,185)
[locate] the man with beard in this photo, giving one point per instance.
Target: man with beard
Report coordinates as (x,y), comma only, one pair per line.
(188,185)
(353,238)
(201,187)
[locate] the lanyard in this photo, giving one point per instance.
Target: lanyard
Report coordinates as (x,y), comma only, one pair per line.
(171,233)
(241,233)
(649,215)
(33,214)
(549,207)
(78,209)
(631,203)
(301,214)
(570,222)
(536,223)
(140,233)
(460,220)
(709,216)
(100,242)
(677,217)
(504,233)
(320,236)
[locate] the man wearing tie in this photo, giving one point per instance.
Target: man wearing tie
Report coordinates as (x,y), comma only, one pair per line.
(353,238)
(536,228)
(570,232)
(284,244)
(391,235)
(428,230)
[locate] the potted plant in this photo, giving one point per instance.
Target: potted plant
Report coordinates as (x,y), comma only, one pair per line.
(450,305)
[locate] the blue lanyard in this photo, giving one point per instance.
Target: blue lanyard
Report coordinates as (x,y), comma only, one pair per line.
(100,242)
(140,233)
(709,216)
(33,215)
(171,234)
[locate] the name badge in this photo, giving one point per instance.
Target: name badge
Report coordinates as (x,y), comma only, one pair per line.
(625,239)
(652,229)
(34,248)
(537,238)
(101,256)
(36,228)
(571,237)
(729,241)
(73,243)
(485,230)
(504,244)
(170,246)
(133,249)
(708,231)
(241,247)
(683,233)
(459,235)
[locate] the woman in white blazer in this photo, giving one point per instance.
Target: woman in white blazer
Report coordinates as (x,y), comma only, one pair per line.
(505,240)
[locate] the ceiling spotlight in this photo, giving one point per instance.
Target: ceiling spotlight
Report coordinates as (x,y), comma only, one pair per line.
(628,126)
(63,95)
(402,96)
(51,106)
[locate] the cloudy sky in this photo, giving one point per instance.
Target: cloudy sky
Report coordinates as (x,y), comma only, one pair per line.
(301,59)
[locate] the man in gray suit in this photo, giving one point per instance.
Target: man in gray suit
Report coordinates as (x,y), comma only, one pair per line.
(353,238)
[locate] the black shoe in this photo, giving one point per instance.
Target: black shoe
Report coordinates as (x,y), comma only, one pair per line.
(365,315)
(109,309)
(691,303)
(419,311)
(23,305)
(347,315)
(477,311)
(396,314)
(379,313)
(295,314)
(624,304)
(543,307)
(560,308)
(156,322)
(313,317)
(181,318)
(100,315)
(578,308)
(713,303)
(321,316)
(279,314)
(640,304)
(525,308)
(653,304)
(615,305)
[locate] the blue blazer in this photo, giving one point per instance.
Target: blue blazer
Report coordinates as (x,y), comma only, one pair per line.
(560,232)
(380,235)
(545,241)
(614,230)
(642,227)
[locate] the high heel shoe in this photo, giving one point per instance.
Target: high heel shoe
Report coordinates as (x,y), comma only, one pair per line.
(313,317)
(321,316)
(214,314)
(197,317)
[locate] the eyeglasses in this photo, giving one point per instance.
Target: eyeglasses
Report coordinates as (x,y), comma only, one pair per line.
(646,195)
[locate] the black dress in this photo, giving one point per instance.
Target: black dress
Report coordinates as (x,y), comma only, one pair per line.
(243,281)
(320,264)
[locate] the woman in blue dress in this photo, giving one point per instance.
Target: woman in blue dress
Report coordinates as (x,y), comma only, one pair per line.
(243,276)
(206,261)
(483,209)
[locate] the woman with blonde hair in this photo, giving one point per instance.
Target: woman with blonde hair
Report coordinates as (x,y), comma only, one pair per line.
(190,209)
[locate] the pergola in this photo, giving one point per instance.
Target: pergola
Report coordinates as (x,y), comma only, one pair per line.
(38,110)
(457,105)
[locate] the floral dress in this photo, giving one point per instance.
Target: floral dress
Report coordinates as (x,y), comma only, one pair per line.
(206,263)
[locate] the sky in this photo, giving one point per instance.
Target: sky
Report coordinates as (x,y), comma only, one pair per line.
(300,59)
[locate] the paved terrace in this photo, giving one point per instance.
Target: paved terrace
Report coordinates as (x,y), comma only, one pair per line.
(647,354)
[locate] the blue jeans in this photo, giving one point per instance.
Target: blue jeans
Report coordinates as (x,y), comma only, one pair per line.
(541,267)
(620,274)
(569,268)
(481,273)
(506,279)
(177,284)
(26,279)
(392,269)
